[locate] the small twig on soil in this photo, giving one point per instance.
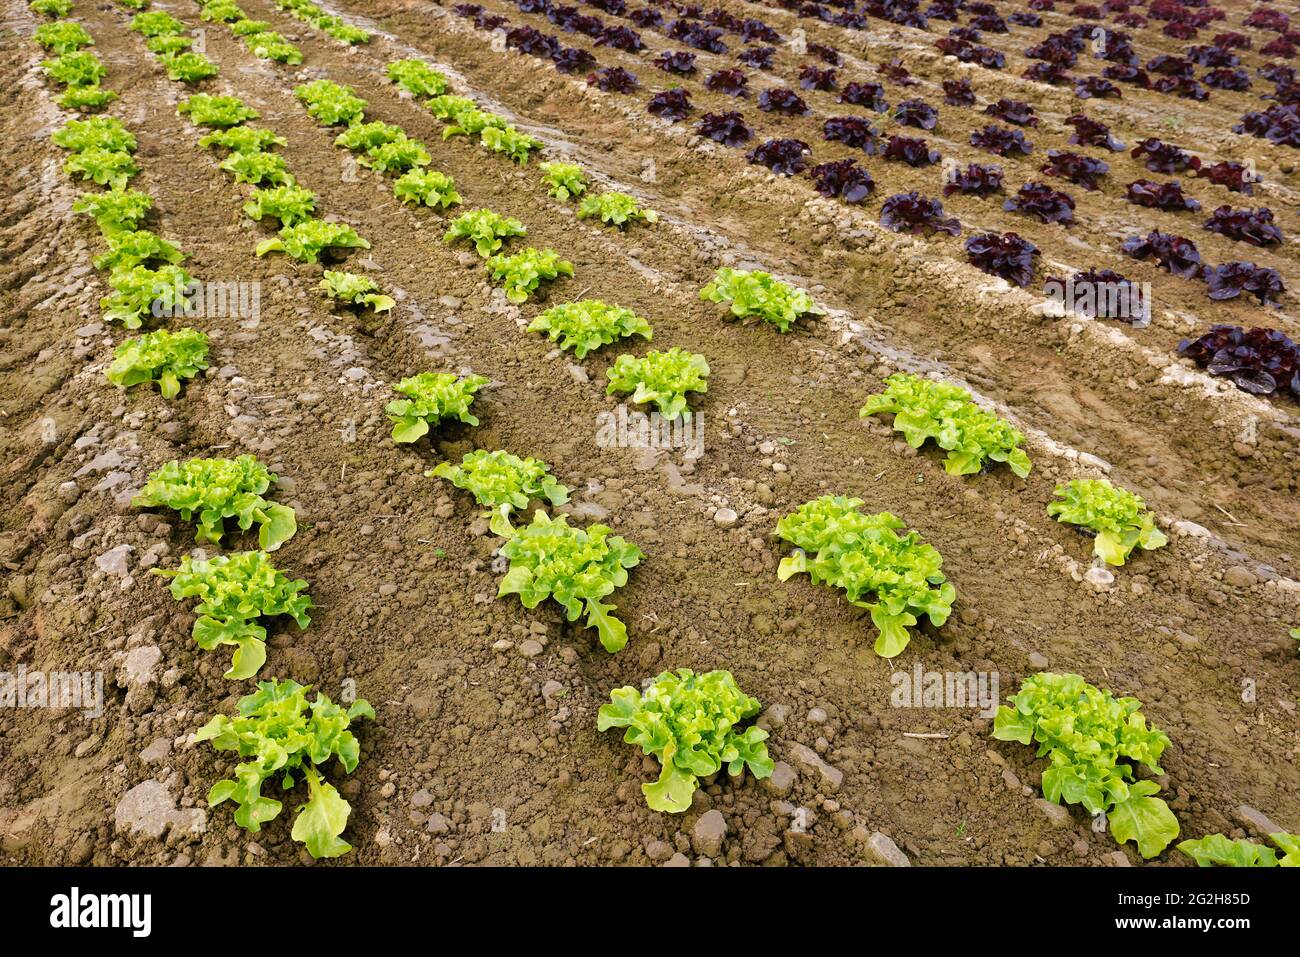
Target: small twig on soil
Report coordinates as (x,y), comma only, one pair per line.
(918,734)
(1231,516)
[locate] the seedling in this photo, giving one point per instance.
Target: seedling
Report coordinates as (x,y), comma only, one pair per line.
(432,397)
(216,112)
(924,409)
(589,324)
(417,78)
(167,358)
(689,722)
(896,577)
(289,204)
(502,483)
(577,567)
(305,241)
(356,291)
(1092,741)
(616,209)
(209,491)
(663,378)
(234,591)
(279,735)
(564,181)
(757,295)
(1116,516)
(485,229)
(521,273)
(428,187)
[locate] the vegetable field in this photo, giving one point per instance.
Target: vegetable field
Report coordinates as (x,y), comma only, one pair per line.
(638,432)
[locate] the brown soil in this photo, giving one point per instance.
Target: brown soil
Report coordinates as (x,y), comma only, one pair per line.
(404,576)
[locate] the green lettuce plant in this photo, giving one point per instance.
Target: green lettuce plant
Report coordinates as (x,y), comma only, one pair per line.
(141,292)
(397,156)
(343,32)
(356,290)
(575,566)
(428,187)
(63,36)
(521,273)
(472,122)
(305,241)
(924,409)
(564,180)
(246,27)
(417,78)
(243,139)
(615,209)
(502,483)
(1218,850)
(97,133)
(330,104)
(216,112)
(258,168)
(279,736)
(156,23)
(86,98)
(689,722)
(518,146)
(188,67)
(80,68)
(485,229)
(51,8)
(758,295)
(432,397)
(116,210)
(269,45)
(233,592)
(221,11)
(1117,517)
(663,378)
(289,204)
(446,106)
(110,168)
(135,248)
(366,136)
(589,324)
(168,44)
(167,358)
(209,491)
(840,546)
(1092,741)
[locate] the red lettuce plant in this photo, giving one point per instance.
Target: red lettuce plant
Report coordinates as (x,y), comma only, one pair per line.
(912,151)
(1260,361)
(729,129)
(1232,279)
(1090,87)
(843,179)
(1043,203)
(1081,170)
(1003,254)
(1174,254)
(783,156)
(916,113)
(760,58)
(1090,132)
(914,213)
(816,78)
(1229,175)
(672,105)
(870,96)
(958,93)
(730,82)
(1254,226)
(1013,111)
(783,101)
(613,79)
(1001,141)
(1166,196)
(1165,157)
(852,131)
(974,180)
(676,61)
